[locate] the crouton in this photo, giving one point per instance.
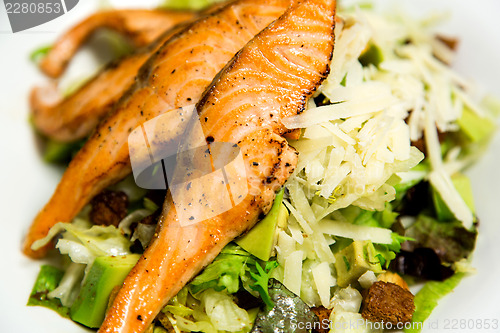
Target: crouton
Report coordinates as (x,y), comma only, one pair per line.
(388,302)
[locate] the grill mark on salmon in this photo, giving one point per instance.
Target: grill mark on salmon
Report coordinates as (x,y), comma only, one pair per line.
(177,253)
(160,87)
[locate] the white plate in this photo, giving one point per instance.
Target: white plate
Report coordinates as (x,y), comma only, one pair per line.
(27,183)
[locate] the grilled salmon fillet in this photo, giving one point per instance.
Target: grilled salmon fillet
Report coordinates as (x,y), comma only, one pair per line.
(270,78)
(140,26)
(175,76)
(74,117)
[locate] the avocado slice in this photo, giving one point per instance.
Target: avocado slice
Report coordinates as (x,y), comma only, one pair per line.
(371,55)
(355,260)
(464,188)
(260,240)
(475,127)
(105,274)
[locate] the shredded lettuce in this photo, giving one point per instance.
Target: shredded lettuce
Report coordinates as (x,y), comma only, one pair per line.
(133,192)
(208,311)
(224,272)
(223,312)
(69,286)
(150,204)
(83,242)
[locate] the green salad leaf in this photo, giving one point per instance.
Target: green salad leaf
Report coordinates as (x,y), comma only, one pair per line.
(230,267)
(224,272)
(48,279)
(38,54)
(262,280)
(387,252)
(61,152)
(427,299)
(380,219)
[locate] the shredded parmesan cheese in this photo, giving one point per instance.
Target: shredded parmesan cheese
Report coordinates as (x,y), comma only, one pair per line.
(355,148)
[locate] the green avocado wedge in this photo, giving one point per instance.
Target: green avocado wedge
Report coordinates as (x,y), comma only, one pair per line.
(260,240)
(105,274)
(355,260)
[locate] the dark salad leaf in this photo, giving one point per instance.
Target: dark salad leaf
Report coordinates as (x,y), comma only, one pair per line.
(414,199)
(48,279)
(450,240)
(421,263)
(289,314)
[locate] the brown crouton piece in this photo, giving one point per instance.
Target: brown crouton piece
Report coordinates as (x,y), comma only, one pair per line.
(394,278)
(323,316)
(388,302)
(109,208)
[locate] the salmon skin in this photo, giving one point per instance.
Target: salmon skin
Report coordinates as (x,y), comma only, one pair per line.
(140,26)
(270,78)
(175,76)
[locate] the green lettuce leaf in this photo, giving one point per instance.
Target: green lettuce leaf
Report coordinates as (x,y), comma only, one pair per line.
(381,219)
(38,54)
(48,279)
(61,152)
(428,297)
(262,280)
(230,267)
